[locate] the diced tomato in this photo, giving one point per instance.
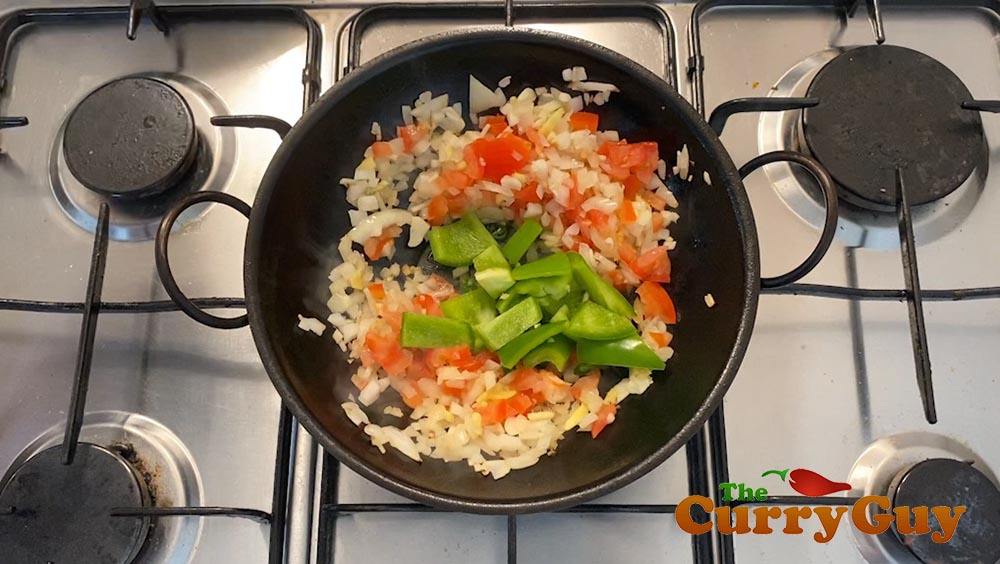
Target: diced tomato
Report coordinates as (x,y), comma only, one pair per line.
(418,369)
(586,383)
(498,411)
(381,149)
(536,138)
(618,280)
(528,194)
(427,304)
(454,388)
(657,222)
(501,156)
(519,404)
(662,339)
(454,180)
(437,210)
(600,221)
(457,203)
(605,148)
(652,199)
(626,213)
(493,412)
(583,120)
(625,158)
(411,135)
(383,344)
(632,187)
(393,318)
(654,265)
(626,251)
(376,246)
(541,385)
(604,416)
(473,163)
(576,197)
(657,302)
(377,290)
(412,397)
(494,125)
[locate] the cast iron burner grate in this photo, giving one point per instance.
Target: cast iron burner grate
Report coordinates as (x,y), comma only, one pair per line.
(886,107)
(130,138)
(951,483)
(61,514)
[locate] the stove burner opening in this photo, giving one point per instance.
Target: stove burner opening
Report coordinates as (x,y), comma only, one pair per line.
(883,107)
(951,483)
(131,138)
(62,513)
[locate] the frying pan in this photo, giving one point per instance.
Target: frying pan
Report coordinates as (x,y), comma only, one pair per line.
(300,215)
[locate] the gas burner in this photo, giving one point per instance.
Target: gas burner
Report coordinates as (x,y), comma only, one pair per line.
(136,144)
(159,461)
(131,138)
(952,483)
(883,107)
(940,198)
(62,513)
(916,469)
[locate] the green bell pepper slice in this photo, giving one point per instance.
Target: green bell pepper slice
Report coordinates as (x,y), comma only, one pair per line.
(508,300)
(492,272)
(598,289)
(458,243)
(628,352)
(494,280)
(428,332)
(471,307)
(524,343)
(491,257)
(555,351)
(521,240)
(561,314)
(509,324)
(593,322)
(552,265)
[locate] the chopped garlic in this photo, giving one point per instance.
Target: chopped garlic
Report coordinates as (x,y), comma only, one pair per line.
(709,300)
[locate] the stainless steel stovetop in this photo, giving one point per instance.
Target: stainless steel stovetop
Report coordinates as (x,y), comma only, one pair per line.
(825,378)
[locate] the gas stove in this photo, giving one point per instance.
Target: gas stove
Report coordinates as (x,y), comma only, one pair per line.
(877,369)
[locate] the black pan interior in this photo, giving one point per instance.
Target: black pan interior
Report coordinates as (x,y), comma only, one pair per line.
(301,214)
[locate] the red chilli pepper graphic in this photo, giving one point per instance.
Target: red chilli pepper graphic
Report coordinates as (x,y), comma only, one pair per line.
(809,483)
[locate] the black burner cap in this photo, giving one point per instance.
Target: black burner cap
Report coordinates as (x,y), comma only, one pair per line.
(883,107)
(62,513)
(131,138)
(942,481)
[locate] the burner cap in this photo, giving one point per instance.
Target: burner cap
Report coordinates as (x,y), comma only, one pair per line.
(130,138)
(943,481)
(883,107)
(62,513)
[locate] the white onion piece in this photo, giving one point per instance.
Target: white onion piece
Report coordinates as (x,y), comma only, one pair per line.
(481,98)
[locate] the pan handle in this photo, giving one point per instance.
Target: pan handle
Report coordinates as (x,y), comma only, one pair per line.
(167,223)
(163,262)
(829,223)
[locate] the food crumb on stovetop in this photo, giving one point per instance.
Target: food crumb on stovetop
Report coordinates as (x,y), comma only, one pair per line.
(708,178)
(709,300)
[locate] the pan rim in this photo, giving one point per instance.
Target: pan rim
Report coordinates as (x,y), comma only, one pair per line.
(558,500)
